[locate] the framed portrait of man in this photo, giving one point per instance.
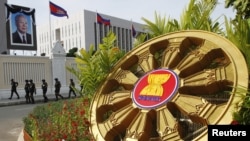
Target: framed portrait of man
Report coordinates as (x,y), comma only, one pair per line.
(21,29)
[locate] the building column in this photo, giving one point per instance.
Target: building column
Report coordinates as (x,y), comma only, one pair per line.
(58,58)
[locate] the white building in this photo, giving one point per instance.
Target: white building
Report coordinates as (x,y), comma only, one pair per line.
(82,30)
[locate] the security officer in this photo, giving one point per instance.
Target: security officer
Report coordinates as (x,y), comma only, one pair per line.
(72,88)
(32,90)
(57,89)
(44,88)
(13,89)
(26,88)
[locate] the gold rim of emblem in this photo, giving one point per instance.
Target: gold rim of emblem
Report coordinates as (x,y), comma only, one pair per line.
(209,70)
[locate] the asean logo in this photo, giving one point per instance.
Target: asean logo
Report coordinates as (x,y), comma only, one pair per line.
(155,88)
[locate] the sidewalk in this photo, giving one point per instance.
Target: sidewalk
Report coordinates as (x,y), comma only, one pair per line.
(38,99)
(22,100)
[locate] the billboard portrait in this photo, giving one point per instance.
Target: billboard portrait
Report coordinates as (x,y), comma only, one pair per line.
(21,30)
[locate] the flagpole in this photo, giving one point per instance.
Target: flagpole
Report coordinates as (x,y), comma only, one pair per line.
(50,28)
(50,41)
(97,31)
(132,37)
(56,11)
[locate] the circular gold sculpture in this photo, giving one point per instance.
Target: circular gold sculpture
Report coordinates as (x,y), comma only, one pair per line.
(170,88)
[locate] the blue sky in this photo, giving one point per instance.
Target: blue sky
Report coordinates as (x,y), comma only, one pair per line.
(132,10)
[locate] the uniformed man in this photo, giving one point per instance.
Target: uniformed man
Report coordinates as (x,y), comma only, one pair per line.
(44,88)
(13,89)
(57,89)
(72,88)
(32,90)
(26,89)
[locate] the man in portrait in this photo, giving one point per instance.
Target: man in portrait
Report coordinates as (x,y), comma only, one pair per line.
(21,35)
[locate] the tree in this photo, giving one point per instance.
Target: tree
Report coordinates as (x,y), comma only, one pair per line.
(43,54)
(196,16)
(159,27)
(242,7)
(140,39)
(238,32)
(94,65)
(72,52)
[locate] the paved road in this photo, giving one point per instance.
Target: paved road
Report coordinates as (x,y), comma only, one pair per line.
(12,113)
(11,123)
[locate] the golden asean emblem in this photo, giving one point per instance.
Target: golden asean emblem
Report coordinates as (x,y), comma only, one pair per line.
(136,102)
(154,88)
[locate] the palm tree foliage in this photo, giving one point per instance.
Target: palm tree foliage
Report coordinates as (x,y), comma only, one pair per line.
(93,66)
(140,39)
(159,27)
(242,7)
(196,16)
(238,32)
(242,113)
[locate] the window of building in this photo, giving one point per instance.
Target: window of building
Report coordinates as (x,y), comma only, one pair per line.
(101,33)
(62,32)
(130,39)
(96,34)
(75,28)
(68,30)
(114,30)
(80,42)
(72,29)
(79,28)
(106,28)
(118,37)
(123,39)
(127,46)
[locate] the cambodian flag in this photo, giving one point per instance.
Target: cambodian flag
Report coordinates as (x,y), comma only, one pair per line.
(57,10)
(133,31)
(101,20)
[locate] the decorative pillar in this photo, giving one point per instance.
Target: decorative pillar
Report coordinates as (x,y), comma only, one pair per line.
(58,58)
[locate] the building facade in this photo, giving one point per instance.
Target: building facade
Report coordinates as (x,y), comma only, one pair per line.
(82,30)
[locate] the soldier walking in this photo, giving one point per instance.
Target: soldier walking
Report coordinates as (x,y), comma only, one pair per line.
(44,88)
(57,89)
(26,88)
(72,88)
(32,90)
(13,89)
